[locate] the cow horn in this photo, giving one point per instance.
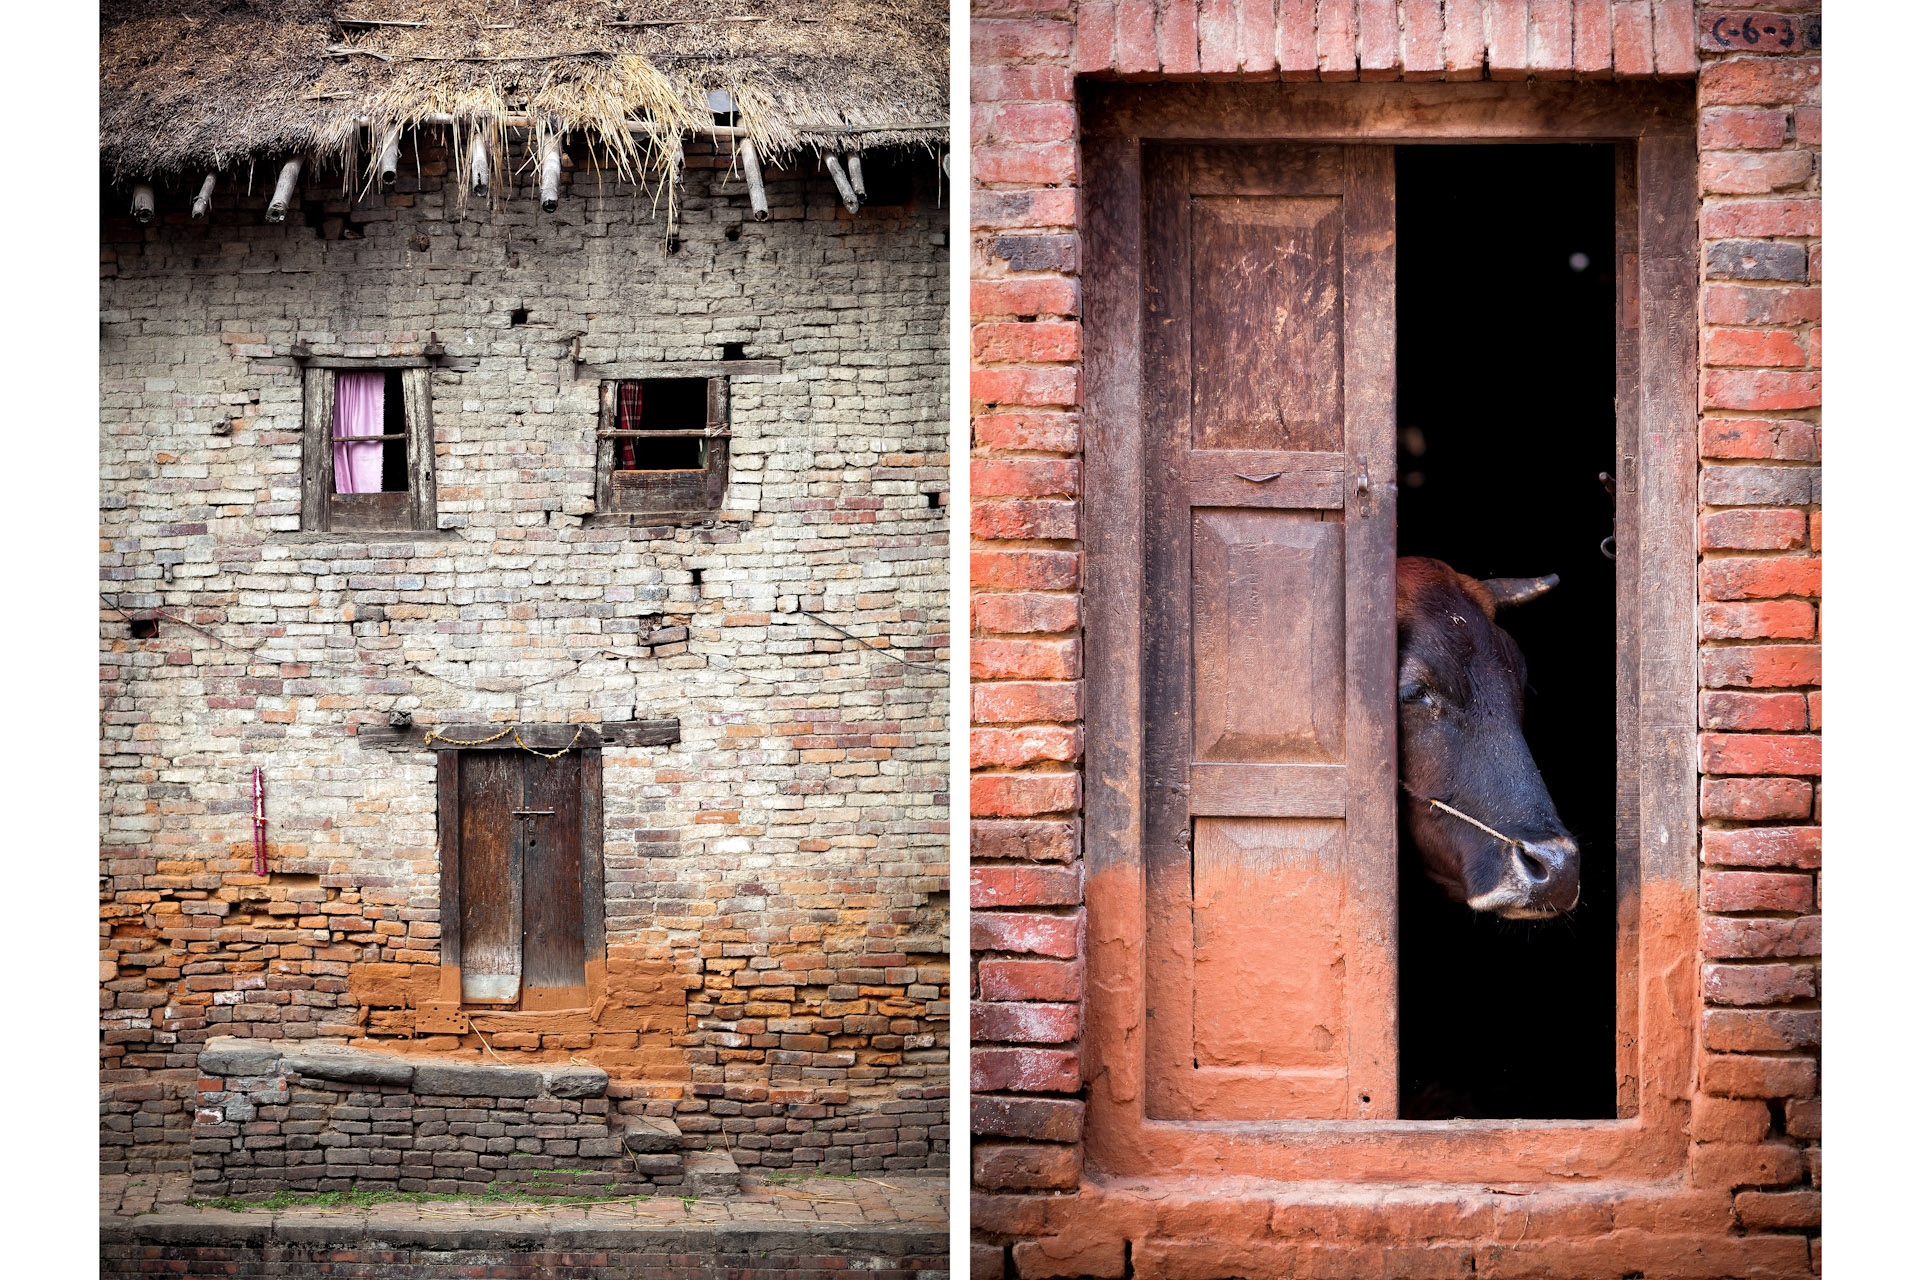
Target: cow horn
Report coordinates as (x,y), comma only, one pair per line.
(1507,592)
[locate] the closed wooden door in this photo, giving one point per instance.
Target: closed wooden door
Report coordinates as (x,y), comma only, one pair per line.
(1269,636)
(523,916)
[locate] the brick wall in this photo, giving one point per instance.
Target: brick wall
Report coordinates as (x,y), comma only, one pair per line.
(315,1120)
(1750,1204)
(775,882)
(255,1246)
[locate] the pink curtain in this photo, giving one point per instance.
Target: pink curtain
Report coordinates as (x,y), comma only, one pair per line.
(359,409)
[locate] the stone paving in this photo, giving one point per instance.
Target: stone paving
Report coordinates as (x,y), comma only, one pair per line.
(916,1201)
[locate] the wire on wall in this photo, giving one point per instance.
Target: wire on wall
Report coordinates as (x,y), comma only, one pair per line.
(504,686)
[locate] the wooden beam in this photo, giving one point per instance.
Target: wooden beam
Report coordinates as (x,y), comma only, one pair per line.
(143,202)
(388,166)
(676,22)
(626,370)
(359,362)
(316,450)
(756,181)
(514,120)
(641,733)
(283,191)
(839,173)
(543,737)
(203,203)
(477,169)
(857,178)
(550,175)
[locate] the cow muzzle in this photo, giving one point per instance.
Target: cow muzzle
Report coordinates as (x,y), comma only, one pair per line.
(1541,879)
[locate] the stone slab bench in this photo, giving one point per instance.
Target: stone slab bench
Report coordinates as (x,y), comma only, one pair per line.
(235,1056)
(303,1117)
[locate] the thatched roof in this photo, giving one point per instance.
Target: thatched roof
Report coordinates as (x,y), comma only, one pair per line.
(193,86)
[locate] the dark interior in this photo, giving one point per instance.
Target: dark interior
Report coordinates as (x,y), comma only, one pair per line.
(675,453)
(668,404)
(1505,401)
(889,177)
(393,457)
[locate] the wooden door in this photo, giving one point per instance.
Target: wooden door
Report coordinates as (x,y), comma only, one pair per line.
(525,916)
(1269,635)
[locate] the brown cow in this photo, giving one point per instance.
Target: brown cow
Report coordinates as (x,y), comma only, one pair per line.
(1486,830)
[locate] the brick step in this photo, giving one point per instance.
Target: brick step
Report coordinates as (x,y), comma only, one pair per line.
(711,1173)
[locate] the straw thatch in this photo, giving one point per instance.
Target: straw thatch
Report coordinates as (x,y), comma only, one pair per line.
(196,86)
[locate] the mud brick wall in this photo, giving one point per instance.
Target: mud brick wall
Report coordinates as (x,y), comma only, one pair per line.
(775,882)
(1754,1172)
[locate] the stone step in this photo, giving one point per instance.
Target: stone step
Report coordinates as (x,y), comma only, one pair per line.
(711,1173)
(664,1164)
(650,1134)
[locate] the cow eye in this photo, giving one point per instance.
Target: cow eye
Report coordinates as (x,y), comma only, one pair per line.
(1413,693)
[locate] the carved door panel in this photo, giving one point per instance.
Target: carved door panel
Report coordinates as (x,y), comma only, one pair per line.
(1269,640)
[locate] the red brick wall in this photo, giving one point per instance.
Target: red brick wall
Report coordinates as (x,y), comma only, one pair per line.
(1750,1203)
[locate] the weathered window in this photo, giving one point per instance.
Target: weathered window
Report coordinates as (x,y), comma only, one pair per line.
(367,448)
(520,887)
(663,445)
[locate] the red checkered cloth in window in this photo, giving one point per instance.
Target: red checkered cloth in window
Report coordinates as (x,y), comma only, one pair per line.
(628,420)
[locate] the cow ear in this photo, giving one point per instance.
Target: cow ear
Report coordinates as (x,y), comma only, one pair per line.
(1507,592)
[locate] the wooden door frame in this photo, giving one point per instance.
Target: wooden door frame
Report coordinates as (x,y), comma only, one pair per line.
(1656,428)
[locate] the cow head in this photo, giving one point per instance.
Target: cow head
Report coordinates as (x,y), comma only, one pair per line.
(1460,695)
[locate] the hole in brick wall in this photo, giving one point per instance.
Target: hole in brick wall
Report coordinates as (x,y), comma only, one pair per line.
(890,177)
(518,316)
(1510,1019)
(733,232)
(733,351)
(697,575)
(144,628)
(933,499)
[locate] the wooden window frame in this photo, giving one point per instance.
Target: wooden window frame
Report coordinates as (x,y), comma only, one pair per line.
(592,874)
(717,435)
(1652,127)
(320,512)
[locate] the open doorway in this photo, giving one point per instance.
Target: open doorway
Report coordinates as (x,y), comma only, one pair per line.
(1505,282)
